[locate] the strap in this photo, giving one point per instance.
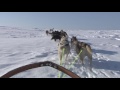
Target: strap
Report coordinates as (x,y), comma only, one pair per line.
(73,61)
(63,50)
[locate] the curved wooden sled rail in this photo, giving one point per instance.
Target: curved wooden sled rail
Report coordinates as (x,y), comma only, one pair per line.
(40,64)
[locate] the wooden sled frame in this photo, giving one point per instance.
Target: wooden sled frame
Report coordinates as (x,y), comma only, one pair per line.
(39,64)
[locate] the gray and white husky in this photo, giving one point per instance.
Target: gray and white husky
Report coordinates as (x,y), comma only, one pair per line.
(86,49)
(63,49)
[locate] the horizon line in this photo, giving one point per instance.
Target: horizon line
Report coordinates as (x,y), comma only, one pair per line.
(51,28)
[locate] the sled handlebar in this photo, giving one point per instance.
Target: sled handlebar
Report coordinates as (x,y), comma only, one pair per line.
(39,64)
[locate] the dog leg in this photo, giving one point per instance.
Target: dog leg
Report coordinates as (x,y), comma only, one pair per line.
(82,62)
(66,57)
(81,58)
(90,59)
(90,64)
(65,60)
(60,57)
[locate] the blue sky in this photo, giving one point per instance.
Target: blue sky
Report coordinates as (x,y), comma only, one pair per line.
(62,20)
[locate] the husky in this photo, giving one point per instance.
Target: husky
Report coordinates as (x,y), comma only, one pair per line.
(58,35)
(47,32)
(86,50)
(63,49)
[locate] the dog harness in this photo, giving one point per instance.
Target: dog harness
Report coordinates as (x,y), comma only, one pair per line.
(73,61)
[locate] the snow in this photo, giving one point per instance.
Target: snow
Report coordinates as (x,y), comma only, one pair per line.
(19,47)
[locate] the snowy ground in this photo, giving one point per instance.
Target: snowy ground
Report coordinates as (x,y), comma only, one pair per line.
(19,47)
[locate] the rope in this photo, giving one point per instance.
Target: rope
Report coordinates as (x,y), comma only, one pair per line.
(76,58)
(61,61)
(73,61)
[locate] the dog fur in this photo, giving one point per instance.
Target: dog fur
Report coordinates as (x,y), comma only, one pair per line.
(58,35)
(47,32)
(63,44)
(86,49)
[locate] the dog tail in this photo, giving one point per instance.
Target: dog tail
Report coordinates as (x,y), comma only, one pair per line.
(88,47)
